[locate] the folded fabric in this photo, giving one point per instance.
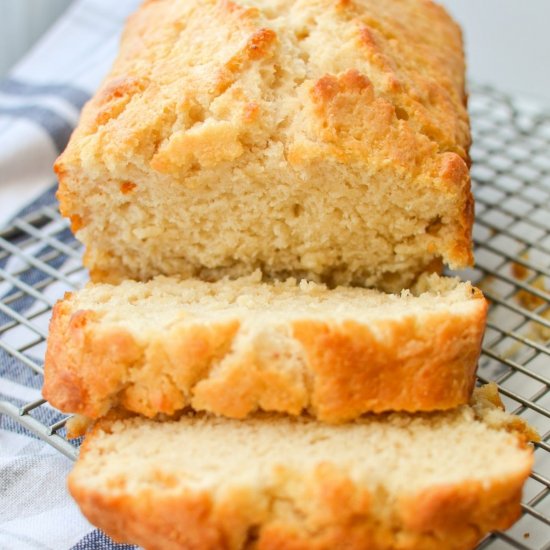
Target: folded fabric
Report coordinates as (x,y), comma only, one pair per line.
(40,102)
(41,98)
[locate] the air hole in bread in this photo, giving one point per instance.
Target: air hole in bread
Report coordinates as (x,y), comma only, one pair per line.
(435,226)
(401,113)
(301,34)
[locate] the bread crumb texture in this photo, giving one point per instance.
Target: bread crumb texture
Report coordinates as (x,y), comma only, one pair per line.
(236,346)
(427,481)
(325,139)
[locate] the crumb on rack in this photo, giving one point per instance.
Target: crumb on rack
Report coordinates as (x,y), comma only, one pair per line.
(519,271)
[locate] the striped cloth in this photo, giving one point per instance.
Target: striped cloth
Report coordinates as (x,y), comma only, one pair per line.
(39,105)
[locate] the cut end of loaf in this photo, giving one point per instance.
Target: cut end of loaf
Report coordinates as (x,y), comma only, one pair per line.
(325,140)
(237,346)
(436,481)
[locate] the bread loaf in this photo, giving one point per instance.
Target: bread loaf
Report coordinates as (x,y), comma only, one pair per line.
(324,139)
(431,481)
(233,347)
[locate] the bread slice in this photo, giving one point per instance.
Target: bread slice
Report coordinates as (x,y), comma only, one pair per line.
(236,346)
(322,139)
(431,481)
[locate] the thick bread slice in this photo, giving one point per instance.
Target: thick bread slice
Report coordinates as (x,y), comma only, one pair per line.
(431,481)
(233,347)
(324,139)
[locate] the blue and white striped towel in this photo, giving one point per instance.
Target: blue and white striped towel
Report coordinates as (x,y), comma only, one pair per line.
(39,106)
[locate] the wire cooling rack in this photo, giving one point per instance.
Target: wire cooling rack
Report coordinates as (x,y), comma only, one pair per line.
(40,260)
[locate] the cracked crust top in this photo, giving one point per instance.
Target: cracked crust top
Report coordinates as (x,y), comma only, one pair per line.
(401,61)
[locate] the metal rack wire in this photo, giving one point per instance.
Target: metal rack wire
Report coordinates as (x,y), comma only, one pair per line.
(40,260)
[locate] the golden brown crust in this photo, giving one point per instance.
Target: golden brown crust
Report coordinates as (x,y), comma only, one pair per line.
(174,365)
(249,384)
(452,518)
(320,510)
(77,426)
(348,95)
(93,365)
(89,370)
(466,512)
(335,371)
(419,365)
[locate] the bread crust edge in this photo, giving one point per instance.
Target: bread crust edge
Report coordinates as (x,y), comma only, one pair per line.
(336,512)
(418,364)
